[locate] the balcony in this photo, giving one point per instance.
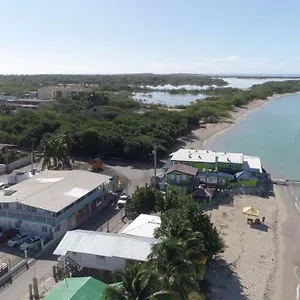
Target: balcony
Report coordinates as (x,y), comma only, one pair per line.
(27,216)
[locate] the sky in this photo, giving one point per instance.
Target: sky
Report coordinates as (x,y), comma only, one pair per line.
(159,36)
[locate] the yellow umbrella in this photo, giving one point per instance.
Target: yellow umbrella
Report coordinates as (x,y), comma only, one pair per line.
(251,211)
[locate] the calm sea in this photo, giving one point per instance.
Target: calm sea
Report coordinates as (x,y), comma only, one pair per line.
(273,133)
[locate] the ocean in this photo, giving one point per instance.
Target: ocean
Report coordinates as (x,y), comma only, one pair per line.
(271,132)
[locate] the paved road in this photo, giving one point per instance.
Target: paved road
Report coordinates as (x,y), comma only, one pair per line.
(42,268)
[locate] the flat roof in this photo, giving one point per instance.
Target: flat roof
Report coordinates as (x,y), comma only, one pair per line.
(54,190)
(106,244)
(252,163)
(144,225)
(207,156)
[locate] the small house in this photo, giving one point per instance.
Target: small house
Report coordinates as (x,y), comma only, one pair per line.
(182,178)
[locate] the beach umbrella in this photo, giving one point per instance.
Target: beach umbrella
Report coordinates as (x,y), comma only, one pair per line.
(251,211)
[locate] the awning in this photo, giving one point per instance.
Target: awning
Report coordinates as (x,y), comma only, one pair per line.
(251,211)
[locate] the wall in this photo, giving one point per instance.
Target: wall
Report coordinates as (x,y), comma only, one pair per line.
(90,261)
(181,190)
(176,173)
(25,161)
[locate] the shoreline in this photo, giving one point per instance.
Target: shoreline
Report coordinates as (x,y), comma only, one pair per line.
(201,137)
(276,260)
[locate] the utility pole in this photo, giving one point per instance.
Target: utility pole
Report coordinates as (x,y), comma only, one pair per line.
(154,152)
(32,153)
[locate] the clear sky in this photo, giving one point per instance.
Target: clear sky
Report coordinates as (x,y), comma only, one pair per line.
(161,36)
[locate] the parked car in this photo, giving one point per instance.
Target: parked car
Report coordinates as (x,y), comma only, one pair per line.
(5,235)
(31,243)
(122,201)
(18,239)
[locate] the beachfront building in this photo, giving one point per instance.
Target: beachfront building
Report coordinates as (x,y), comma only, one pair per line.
(100,252)
(215,167)
(182,178)
(53,202)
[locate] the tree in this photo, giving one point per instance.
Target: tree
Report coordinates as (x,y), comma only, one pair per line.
(144,200)
(54,151)
(136,283)
(177,265)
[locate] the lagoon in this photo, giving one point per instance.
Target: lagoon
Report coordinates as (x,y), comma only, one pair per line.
(161,96)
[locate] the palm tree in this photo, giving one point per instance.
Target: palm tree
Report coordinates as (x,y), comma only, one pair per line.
(177,265)
(136,283)
(54,151)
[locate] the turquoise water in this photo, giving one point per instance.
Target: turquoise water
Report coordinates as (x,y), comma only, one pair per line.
(272,132)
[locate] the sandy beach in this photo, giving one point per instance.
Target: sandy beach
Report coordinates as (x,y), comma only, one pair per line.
(256,263)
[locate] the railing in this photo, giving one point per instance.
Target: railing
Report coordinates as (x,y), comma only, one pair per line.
(25,216)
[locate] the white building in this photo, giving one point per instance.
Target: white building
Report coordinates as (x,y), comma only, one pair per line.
(144,226)
(60,91)
(103,251)
(53,202)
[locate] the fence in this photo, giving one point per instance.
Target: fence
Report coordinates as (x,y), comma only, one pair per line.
(25,161)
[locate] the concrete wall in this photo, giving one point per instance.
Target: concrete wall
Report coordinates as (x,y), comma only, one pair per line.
(25,161)
(91,261)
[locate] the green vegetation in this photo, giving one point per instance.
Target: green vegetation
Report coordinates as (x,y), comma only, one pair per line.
(11,155)
(177,263)
(19,85)
(114,125)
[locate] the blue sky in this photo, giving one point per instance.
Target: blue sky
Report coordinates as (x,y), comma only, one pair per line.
(126,36)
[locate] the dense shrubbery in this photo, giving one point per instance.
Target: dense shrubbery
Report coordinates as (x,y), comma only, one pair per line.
(115,125)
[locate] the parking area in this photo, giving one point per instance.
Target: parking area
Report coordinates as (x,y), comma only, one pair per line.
(10,256)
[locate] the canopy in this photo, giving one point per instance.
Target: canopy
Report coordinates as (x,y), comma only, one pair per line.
(251,211)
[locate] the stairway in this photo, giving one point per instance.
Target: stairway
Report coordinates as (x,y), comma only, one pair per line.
(75,269)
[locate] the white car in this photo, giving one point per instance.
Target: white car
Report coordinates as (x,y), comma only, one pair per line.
(31,243)
(122,201)
(18,239)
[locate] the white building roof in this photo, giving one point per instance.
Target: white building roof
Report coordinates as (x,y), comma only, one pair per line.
(106,244)
(144,225)
(252,163)
(207,156)
(54,190)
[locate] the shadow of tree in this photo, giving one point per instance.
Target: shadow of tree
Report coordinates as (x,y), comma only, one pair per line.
(223,282)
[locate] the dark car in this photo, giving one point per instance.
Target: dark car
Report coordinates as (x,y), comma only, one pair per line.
(5,235)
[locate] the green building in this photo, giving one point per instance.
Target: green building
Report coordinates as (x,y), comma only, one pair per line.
(79,288)
(181,178)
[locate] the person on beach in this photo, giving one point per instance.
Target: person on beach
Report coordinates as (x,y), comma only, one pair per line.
(263,219)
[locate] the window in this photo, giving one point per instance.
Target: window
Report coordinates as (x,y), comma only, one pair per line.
(57,228)
(100,260)
(33,209)
(172,176)
(74,253)
(6,205)
(28,207)
(178,177)
(44,229)
(19,206)
(183,177)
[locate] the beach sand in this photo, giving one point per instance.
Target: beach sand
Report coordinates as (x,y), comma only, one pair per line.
(258,263)
(251,266)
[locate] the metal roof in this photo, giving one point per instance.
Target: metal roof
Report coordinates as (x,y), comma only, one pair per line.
(144,225)
(252,164)
(54,190)
(207,156)
(106,244)
(183,169)
(80,288)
